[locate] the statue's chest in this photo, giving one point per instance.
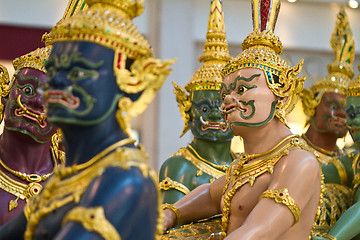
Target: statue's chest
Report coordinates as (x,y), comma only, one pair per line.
(50,225)
(246,196)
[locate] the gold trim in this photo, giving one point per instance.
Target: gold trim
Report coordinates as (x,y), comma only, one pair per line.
(249,173)
(282,196)
(319,149)
(341,170)
(62,188)
(93,220)
(218,167)
(201,165)
(168,183)
(330,237)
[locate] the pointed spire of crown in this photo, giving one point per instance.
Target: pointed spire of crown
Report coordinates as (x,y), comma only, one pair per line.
(342,43)
(264,16)
(132,8)
(215,47)
(215,54)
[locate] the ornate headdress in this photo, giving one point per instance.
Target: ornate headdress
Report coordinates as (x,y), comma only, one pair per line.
(35,59)
(340,70)
(262,50)
(215,56)
(109,23)
(353,89)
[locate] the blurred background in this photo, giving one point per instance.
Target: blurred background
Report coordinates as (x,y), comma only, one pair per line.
(177,29)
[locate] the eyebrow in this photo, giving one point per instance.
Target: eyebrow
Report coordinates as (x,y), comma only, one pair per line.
(203,101)
(335,100)
(238,78)
(27,78)
(66,62)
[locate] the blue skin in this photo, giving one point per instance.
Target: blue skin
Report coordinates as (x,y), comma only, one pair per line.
(132,212)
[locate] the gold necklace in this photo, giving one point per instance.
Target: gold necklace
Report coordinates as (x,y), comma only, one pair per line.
(218,167)
(249,172)
(66,171)
(63,189)
(319,149)
(247,157)
(18,189)
(30,177)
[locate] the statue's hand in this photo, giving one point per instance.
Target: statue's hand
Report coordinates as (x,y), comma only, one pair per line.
(169,219)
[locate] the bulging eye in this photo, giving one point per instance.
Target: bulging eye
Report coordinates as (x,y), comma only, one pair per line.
(28,90)
(77,74)
(333,107)
(352,115)
(204,109)
(242,89)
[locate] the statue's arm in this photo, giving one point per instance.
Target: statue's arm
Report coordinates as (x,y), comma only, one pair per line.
(121,203)
(202,202)
(175,179)
(300,174)
(14,229)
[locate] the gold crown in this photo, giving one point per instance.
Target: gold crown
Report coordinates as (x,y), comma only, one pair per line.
(108,23)
(353,89)
(340,70)
(262,50)
(35,59)
(215,55)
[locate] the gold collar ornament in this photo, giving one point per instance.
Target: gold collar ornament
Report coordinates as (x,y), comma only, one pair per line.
(340,70)
(109,23)
(262,50)
(215,55)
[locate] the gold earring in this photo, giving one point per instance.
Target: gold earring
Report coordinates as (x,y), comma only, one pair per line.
(280,112)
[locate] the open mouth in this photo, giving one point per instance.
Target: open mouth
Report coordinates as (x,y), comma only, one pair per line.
(230,109)
(338,121)
(62,97)
(212,125)
(30,113)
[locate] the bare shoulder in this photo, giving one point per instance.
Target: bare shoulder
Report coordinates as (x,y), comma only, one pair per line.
(300,161)
(299,169)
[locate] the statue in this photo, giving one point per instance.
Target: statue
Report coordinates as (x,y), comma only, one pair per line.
(208,155)
(273,190)
(346,227)
(29,144)
(324,105)
(101,73)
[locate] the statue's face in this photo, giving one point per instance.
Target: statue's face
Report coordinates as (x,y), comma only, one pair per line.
(82,88)
(330,115)
(24,110)
(353,117)
(247,99)
(206,121)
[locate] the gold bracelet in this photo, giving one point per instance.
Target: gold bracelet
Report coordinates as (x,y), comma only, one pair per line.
(168,183)
(283,196)
(174,209)
(330,237)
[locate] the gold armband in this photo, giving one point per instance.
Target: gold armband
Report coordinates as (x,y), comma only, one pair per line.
(174,209)
(93,220)
(330,237)
(341,170)
(283,196)
(168,183)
